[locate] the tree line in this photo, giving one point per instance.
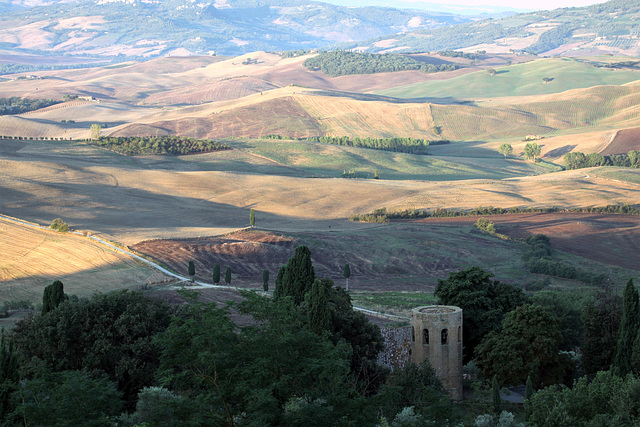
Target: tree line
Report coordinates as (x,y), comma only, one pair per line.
(578,160)
(340,63)
(396,144)
(18,105)
(383,215)
(175,145)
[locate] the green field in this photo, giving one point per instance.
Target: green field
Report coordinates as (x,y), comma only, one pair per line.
(517,80)
(315,159)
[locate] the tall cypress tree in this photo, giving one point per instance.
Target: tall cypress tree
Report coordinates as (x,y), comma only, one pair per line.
(279,289)
(346,273)
(192,270)
(53,296)
(227,276)
(299,275)
(265,280)
(628,331)
(215,275)
(318,313)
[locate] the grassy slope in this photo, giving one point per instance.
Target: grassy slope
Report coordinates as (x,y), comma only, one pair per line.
(332,161)
(517,80)
(32,259)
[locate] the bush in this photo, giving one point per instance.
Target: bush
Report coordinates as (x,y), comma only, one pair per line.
(59,225)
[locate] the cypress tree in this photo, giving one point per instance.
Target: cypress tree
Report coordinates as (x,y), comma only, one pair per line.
(192,270)
(528,394)
(346,273)
(628,331)
(227,276)
(52,297)
(299,275)
(215,276)
(252,217)
(265,280)
(318,314)
(279,287)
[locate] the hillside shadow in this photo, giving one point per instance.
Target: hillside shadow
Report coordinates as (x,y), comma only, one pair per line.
(390,99)
(561,151)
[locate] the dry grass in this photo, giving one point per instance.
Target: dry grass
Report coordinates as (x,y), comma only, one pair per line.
(31,259)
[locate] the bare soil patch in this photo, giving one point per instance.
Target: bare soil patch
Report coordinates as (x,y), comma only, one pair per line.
(624,141)
(609,239)
(392,257)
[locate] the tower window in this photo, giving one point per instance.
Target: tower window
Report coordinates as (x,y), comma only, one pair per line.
(459,334)
(425,337)
(444,335)
(413,334)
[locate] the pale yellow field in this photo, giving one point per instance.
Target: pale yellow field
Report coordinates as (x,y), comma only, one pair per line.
(31,259)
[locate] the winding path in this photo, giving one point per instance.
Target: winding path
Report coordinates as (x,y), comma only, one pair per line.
(164,270)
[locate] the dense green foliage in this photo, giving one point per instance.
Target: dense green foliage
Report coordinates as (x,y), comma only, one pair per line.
(539,259)
(59,225)
(629,328)
(53,296)
(175,145)
(298,276)
(484,303)
(457,54)
(578,160)
(527,344)
(341,63)
(601,322)
(68,398)
(17,105)
(608,400)
(110,333)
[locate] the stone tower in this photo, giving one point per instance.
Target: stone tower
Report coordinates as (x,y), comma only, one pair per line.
(436,334)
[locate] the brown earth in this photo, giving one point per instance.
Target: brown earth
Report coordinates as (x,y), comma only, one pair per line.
(609,239)
(282,116)
(624,141)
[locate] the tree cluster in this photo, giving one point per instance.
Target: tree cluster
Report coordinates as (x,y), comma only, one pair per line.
(341,63)
(458,54)
(578,160)
(174,145)
(539,259)
(399,145)
(17,105)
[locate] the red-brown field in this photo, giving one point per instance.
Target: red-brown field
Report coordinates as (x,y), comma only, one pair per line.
(609,239)
(624,141)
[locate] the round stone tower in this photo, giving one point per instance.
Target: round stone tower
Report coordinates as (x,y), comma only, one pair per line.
(436,334)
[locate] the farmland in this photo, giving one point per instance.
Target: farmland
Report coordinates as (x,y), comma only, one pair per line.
(177,208)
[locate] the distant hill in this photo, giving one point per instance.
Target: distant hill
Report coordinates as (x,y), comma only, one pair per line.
(180,27)
(607,28)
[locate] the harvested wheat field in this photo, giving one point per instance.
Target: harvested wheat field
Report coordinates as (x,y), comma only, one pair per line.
(623,141)
(31,259)
(133,199)
(608,239)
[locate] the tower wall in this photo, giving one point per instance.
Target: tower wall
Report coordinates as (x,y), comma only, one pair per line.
(436,335)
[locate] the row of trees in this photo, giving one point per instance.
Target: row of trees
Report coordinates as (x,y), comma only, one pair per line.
(383,215)
(397,144)
(174,145)
(578,160)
